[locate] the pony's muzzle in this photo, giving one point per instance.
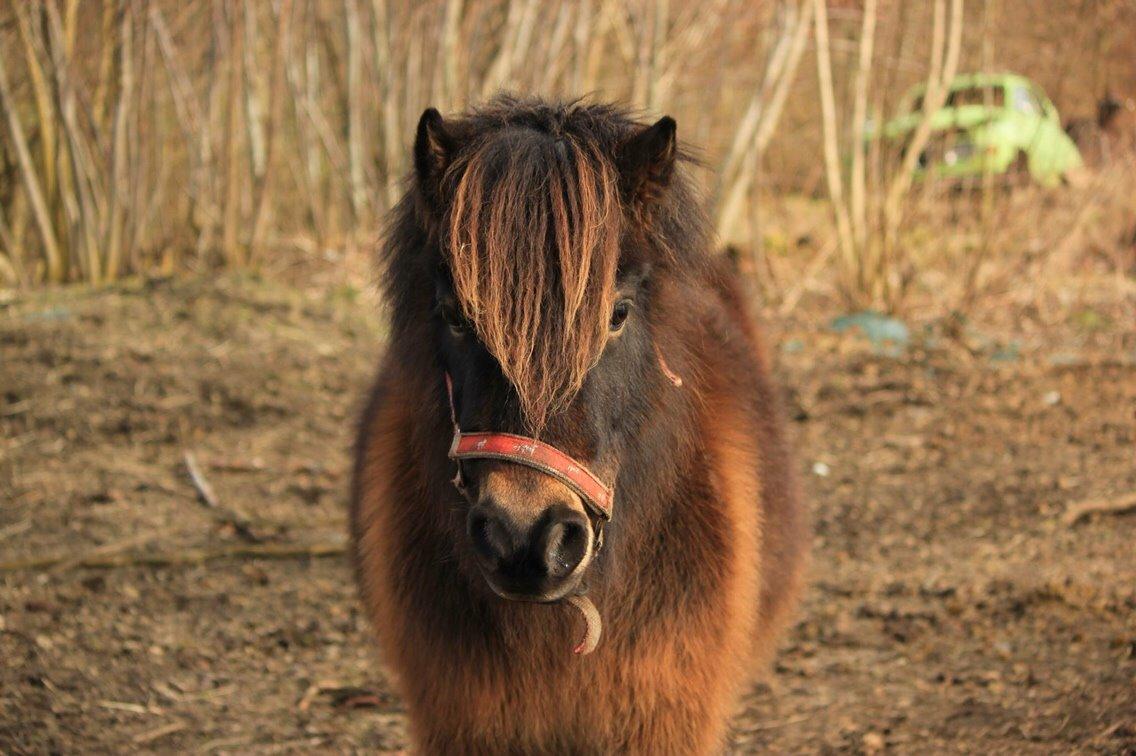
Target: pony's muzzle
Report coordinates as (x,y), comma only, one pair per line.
(540,558)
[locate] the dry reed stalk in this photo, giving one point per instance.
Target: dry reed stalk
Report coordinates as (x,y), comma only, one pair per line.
(327,182)
(188,114)
(858,180)
(71,25)
(514,43)
(651,26)
(411,89)
(307,172)
(762,114)
(150,170)
(52,251)
(45,111)
(658,93)
(85,186)
(390,110)
(206,218)
(831,143)
(691,31)
(325,133)
(582,36)
(10,254)
(231,211)
(118,189)
(254,102)
(986,211)
(555,53)
(942,70)
(181,89)
(523,45)
(619,23)
(263,189)
(594,54)
(106,62)
(19,226)
(446,88)
(354,107)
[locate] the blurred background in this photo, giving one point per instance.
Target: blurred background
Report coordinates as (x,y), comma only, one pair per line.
(933,203)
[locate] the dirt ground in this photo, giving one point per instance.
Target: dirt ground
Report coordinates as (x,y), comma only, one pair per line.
(952,609)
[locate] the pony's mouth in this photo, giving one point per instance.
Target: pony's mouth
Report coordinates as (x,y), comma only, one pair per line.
(514,583)
(549,596)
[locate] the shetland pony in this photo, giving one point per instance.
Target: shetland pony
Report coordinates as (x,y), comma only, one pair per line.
(550,287)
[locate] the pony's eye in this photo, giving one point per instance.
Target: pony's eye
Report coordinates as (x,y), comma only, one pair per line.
(453,318)
(619,315)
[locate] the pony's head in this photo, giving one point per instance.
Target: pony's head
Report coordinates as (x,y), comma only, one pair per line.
(543,227)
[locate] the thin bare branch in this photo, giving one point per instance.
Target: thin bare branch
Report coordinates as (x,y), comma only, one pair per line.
(831,140)
(858,179)
(32,185)
(263,191)
(118,183)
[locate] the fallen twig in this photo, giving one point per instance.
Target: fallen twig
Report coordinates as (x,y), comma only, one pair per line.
(772,725)
(148,737)
(204,490)
(15,529)
(171,558)
(105,551)
(1077,511)
(239,466)
(348,696)
(224,515)
(133,708)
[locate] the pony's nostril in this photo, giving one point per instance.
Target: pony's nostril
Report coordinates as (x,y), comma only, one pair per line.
(489,536)
(566,547)
(536,560)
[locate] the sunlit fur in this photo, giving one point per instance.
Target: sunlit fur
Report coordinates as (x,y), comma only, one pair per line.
(703,561)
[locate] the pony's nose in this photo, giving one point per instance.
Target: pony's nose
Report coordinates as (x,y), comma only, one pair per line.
(528,560)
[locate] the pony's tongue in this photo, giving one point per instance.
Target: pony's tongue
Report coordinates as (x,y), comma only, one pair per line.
(593,626)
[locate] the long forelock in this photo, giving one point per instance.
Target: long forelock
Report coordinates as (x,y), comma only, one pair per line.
(532,242)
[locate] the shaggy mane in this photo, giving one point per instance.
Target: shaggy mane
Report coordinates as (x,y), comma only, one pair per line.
(531,238)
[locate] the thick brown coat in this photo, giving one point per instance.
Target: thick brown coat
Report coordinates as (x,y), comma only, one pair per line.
(703,561)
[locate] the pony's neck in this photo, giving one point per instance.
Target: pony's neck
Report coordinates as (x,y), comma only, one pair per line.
(659,468)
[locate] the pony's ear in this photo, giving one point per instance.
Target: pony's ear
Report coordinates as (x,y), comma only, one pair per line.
(646,160)
(434,148)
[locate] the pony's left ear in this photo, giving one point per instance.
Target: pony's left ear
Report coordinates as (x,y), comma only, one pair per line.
(434,147)
(646,160)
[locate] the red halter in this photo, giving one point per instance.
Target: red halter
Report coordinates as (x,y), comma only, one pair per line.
(531,453)
(538,455)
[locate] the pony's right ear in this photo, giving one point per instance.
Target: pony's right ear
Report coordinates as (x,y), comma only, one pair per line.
(434,148)
(646,160)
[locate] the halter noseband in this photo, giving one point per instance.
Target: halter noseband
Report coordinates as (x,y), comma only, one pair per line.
(529,452)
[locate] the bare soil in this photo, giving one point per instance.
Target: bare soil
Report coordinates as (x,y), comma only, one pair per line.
(951,608)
